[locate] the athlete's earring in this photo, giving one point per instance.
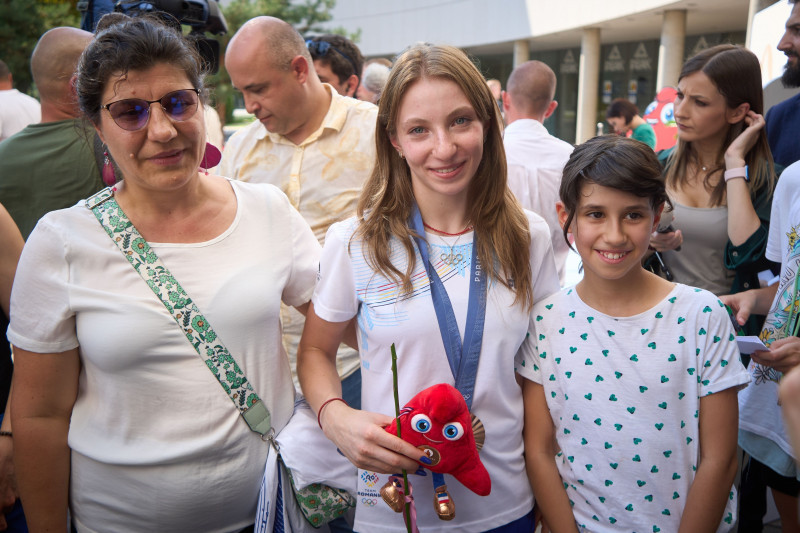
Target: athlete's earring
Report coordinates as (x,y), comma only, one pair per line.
(109,178)
(400,153)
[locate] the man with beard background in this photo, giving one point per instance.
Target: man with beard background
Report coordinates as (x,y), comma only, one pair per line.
(783,120)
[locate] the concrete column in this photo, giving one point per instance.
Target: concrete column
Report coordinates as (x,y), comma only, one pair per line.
(754,8)
(521,52)
(588,84)
(670,51)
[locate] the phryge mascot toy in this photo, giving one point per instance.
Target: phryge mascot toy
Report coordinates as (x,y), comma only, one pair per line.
(438,422)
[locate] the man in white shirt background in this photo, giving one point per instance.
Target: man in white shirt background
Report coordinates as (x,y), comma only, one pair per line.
(536,159)
(17,109)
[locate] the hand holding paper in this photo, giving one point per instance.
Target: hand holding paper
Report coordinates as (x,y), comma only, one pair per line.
(750,343)
(783,354)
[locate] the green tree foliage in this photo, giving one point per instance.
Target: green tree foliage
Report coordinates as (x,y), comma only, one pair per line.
(59,13)
(20,28)
(22,22)
(305,17)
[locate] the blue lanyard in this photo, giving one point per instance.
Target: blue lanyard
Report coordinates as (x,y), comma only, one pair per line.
(464,366)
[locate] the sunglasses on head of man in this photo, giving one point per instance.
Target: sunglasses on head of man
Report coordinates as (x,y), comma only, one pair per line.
(320,49)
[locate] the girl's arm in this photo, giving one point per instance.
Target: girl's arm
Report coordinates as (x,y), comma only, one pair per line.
(716,466)
(744,220)
(11,243)
(359,435)
(348,337)
(540,453)
(45,388)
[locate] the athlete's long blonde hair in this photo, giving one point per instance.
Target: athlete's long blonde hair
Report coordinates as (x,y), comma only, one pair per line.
(387,198)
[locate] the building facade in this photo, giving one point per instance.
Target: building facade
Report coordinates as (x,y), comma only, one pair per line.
(599,50)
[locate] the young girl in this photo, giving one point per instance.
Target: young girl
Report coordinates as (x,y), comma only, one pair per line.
(435,221)
(633,377)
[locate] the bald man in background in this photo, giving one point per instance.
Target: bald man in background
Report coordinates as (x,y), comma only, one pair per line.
(50,165)
(317,146)
(536,159)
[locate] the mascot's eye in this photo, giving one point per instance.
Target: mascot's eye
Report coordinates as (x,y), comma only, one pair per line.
(668,114)
(421,423)
(453,431)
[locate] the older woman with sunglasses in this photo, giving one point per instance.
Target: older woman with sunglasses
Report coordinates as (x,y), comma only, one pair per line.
(116,415)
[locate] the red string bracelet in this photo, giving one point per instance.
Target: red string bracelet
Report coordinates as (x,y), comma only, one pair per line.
(321,407)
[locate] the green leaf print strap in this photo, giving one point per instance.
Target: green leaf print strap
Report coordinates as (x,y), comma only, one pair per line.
(182,308)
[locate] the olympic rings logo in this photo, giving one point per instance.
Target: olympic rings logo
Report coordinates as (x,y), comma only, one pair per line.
(369,502)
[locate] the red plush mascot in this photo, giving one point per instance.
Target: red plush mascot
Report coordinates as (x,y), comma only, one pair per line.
(438,422)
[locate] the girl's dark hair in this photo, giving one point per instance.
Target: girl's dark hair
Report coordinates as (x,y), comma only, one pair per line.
(615,162)
(125,43)
(622,107)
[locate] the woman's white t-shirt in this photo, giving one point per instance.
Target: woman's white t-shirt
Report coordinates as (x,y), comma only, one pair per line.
(157,444)
(349,287)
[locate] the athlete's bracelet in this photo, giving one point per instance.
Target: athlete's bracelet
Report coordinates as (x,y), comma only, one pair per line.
(321,407)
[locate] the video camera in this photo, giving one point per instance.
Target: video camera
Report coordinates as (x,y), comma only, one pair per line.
(200,15)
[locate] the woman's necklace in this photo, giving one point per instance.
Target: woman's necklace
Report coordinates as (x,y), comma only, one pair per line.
(462,232)
(452,258)
(702,166)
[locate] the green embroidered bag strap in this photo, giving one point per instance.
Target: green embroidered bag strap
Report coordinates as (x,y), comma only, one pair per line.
(183,309)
